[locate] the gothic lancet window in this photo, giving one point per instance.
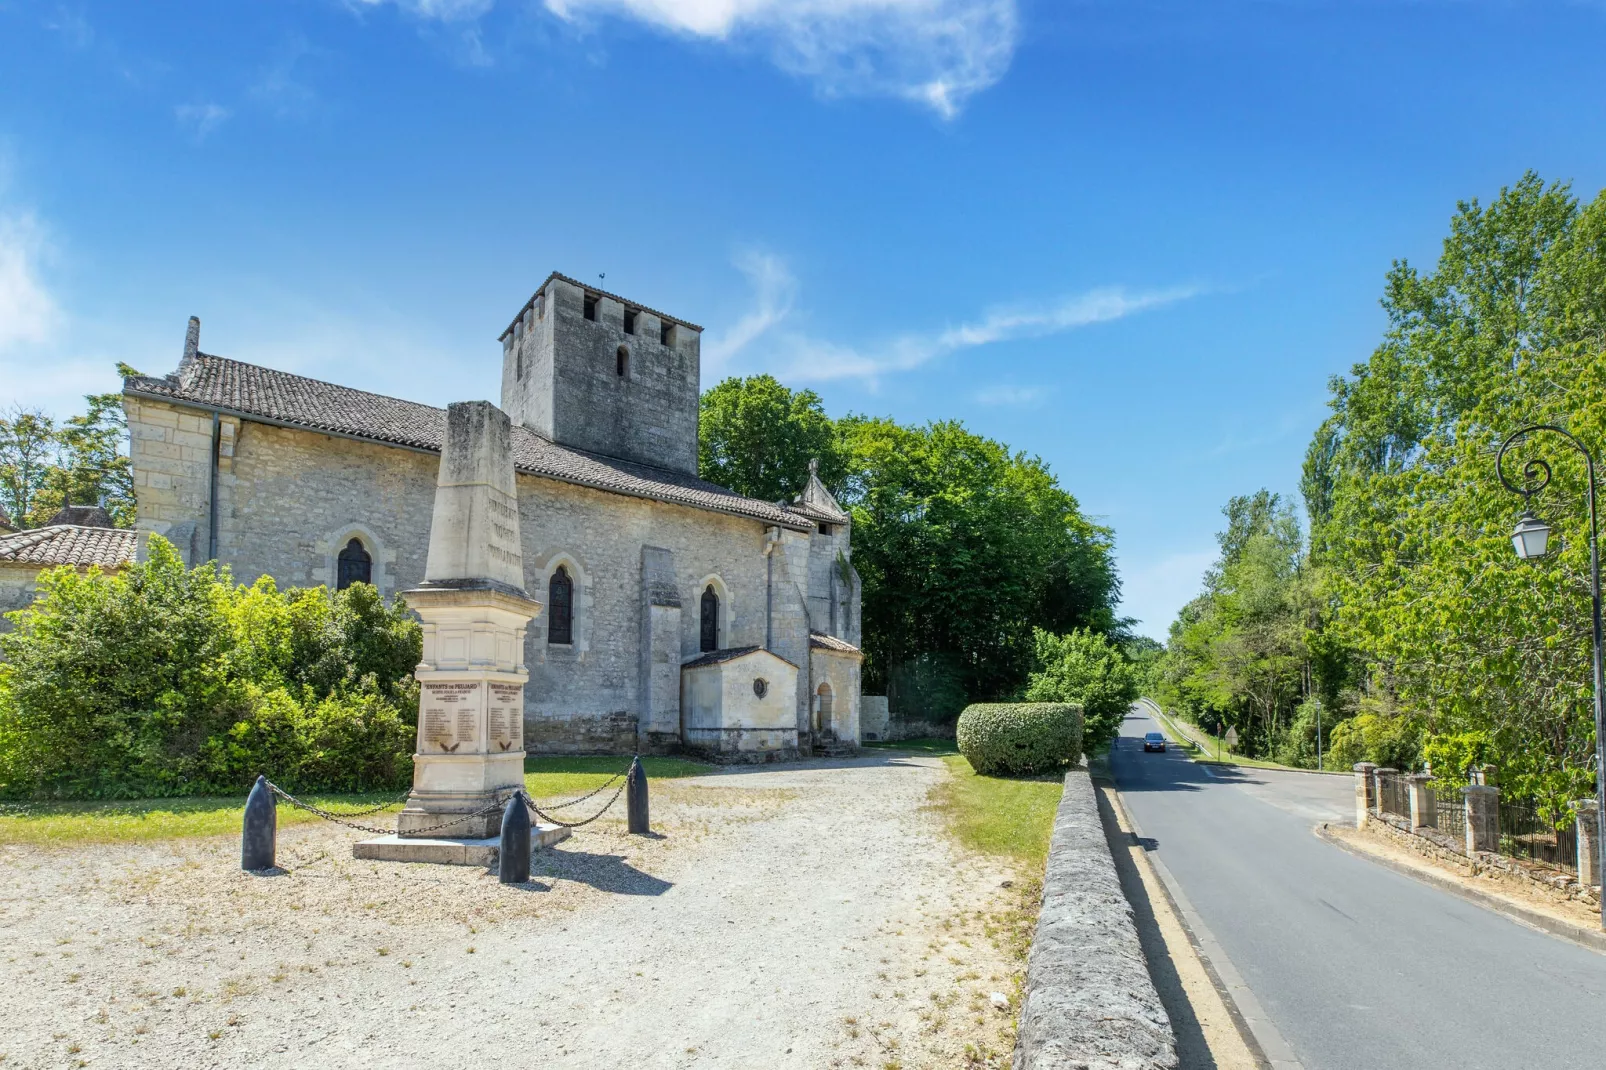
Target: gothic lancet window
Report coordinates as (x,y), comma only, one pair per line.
(710,620)
(355,565)
(560,608)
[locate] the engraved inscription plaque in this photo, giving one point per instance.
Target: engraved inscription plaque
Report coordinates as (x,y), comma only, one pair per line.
(505,716)
(450,714)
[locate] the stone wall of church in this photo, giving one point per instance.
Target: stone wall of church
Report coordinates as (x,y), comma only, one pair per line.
(289,500)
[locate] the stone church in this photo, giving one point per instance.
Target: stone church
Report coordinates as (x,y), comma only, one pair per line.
(677,615)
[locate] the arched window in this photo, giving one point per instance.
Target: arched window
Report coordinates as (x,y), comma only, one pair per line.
(560,608)
(621,362)
(710,621)
(355,566)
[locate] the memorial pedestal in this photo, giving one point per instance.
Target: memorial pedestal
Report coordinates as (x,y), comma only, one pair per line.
(470,753)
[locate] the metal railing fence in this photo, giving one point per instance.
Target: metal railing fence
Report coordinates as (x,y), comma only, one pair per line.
(1392,795)
(1530,835)
(1450,813)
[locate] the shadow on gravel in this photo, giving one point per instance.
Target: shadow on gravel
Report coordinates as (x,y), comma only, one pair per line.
(606,873)
(1193,1053)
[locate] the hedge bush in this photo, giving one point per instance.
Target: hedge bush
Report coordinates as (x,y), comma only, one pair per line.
(1020,738)
(162,680)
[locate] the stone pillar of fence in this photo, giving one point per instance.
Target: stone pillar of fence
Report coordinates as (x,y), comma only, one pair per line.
(1380,784)
(1424,807)
(1365,792)
(1588,842)
(1483,817)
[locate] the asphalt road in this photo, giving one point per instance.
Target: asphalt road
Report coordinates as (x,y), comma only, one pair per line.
(1356,965)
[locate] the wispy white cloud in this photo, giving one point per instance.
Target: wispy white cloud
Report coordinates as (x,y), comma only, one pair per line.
(28,312)
(1017,396)
(937,53)
(201,119)
(773,291)
(800,357)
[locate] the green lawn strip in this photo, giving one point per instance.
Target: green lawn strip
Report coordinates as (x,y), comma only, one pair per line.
(551,777)
(1006,816)
(922,745)
(136,820)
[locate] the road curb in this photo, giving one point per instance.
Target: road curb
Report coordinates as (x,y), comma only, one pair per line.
(1259,1034)
(1593,939)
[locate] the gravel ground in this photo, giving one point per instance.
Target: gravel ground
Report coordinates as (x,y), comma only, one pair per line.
(810,915)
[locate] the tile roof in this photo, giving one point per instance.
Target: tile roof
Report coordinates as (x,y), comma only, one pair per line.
(821,641)
(250,390)
(719,657)
(69,544)
(815,512)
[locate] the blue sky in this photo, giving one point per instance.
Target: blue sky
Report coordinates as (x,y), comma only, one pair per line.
(1132,237)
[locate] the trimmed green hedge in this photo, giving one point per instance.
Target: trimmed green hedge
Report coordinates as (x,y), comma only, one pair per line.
(1020,738)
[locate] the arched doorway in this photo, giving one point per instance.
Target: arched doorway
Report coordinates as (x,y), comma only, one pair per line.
(824,723)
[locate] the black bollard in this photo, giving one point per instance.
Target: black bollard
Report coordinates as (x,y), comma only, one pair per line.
(513,856)
(259,836)
(636,796)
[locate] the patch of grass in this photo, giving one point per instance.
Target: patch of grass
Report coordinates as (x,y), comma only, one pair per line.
(135,820)
(924,745)
(547,776)
(1009,816)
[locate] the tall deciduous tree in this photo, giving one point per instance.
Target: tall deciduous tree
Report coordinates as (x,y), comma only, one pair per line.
(964,547)
(757,437)
(27,455)
(1409,520)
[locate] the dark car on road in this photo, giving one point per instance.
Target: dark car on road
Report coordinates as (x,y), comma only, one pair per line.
(1154,741)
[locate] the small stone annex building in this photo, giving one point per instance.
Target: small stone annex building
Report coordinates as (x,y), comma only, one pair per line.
(79,535)
(676,613)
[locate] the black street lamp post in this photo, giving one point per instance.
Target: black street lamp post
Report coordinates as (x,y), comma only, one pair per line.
(1531,540)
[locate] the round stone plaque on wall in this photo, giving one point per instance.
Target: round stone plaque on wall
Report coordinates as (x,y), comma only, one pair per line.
(761,686)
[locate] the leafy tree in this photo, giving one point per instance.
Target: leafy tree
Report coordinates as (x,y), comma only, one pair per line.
(1252,650)
(1410,525)
(27,453)
(90,470)
(160,680)
(963,546)
(757,437)
(1089,670)
(964,549)
(45,465)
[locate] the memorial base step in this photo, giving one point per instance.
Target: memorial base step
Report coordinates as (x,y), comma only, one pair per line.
(444,852)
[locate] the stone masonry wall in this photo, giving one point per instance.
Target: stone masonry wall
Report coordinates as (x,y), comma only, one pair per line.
(560,377)
(290,499)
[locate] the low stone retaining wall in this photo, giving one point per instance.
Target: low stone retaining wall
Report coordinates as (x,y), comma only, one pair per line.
(1089,1003)
(1434,844)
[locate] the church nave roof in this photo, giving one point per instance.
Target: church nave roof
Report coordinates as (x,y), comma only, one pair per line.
(254,392)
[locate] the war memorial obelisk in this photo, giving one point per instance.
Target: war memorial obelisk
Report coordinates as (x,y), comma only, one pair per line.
(470,751)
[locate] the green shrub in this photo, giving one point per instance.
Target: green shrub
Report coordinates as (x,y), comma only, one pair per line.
(162,680)
(1020,738)
(1088,670)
